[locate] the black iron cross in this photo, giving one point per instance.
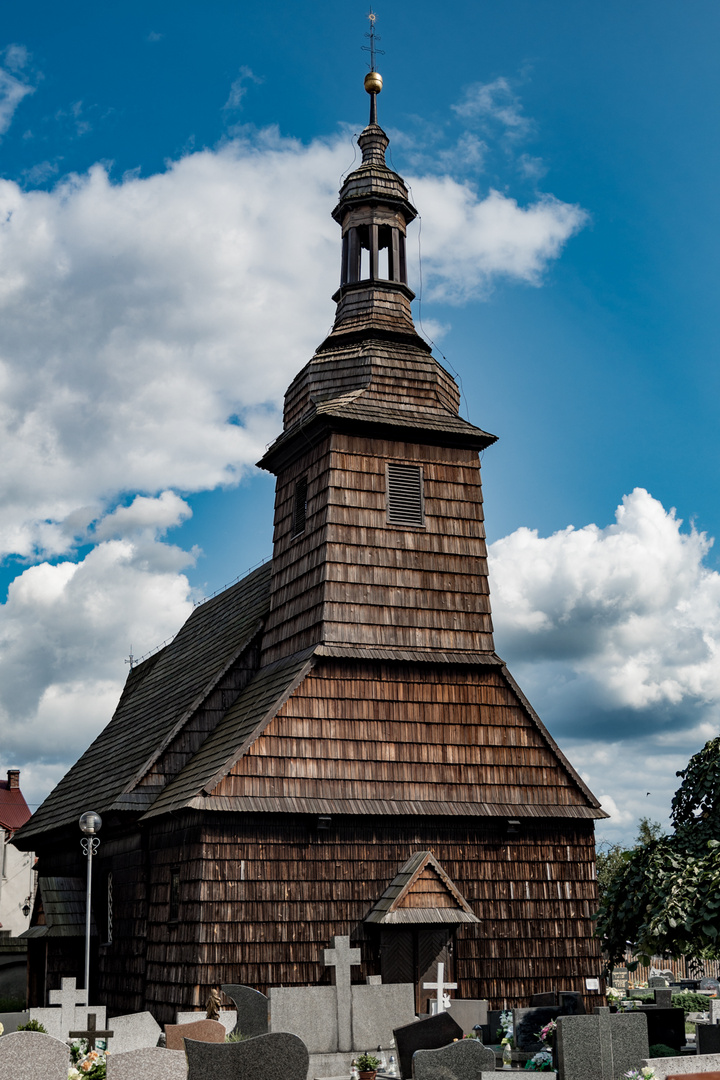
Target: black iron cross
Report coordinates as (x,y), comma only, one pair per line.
(92,1033)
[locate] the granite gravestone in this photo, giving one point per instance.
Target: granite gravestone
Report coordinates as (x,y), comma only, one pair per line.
(709,984)
(461,1060)
(690,1065)
(570,1002)
(714,1010)
(664,1026)
(30,1055)
(342,958)
(227,1017)
(657,981)
(275,1056)
(149,1063)
(310,1012)
(528,1022)
(469,1012)
(377,1009)
(601,1047)
(252,1009)
(428,1034)
(663,997)
(133,1032)
(207,1031)
(708,1038)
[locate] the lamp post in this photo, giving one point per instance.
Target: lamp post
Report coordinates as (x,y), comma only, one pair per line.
(90,823)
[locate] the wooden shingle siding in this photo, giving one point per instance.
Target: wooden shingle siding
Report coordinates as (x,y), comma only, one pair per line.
(301,886)
(355,578)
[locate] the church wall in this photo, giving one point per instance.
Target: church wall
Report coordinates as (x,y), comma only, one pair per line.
(276,889)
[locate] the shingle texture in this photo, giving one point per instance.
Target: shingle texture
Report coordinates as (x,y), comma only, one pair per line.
(159,697)
(14,811)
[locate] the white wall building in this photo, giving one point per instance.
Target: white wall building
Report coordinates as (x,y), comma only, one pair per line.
(16,867)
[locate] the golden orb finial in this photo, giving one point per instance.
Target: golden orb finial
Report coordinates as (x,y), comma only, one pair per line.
(373,82)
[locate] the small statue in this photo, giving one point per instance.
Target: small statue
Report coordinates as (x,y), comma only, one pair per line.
(213,1005)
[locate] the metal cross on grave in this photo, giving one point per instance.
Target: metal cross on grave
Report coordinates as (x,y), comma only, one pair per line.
(342,958)
(92,1033)
(68,998)
(441,987)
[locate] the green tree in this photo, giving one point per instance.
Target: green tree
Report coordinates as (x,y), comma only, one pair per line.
(610,858)
(664,894)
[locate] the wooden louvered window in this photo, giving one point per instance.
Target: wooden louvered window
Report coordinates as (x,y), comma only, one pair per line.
(299,507)
(405,503)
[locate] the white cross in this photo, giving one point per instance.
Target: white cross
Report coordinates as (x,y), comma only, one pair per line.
(441,987)
(68,998)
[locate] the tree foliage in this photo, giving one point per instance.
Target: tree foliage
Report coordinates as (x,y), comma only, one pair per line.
(663,897)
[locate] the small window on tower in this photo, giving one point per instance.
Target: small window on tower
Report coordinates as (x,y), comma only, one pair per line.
(405,504)
(299,507)
(174,912)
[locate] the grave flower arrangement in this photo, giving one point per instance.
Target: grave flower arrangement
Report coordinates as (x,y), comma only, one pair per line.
(541,1062)
(546,1034)
(505,1031)
(646,1073)
(614,996)
(86,1063)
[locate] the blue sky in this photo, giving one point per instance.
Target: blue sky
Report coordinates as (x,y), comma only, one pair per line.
(167,259)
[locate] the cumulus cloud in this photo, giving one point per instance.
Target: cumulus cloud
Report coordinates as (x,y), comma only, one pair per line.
(469,242)
(148,328)
(630,608)
(64,632)
(614,633)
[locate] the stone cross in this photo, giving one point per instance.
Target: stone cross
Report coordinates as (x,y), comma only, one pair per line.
(92,1033)
(342,958)
(67,998)
(441,987)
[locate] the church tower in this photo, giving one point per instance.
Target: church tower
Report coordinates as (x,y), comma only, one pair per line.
(332,746)
(379,540)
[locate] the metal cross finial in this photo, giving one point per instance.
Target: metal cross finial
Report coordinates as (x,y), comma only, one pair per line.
(131,659)
(371,48)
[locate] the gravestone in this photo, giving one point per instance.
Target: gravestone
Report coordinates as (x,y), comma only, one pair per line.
(91,1033)
(208,1031)
(461,1060)
(550,997)
(341,957)
(25,1055)
(527,1024)
(309,1012)
(133,1032)
(663,997)
(468,1013)
(494,1024)
(664,1026)
(684,1066)
(714,1010)
(603,1046)
(227,1017)
(570,1002)
(708,1038)
(428,1034)
(72,1013)
(377,1010)
(252,1009)
(441,988)
(657,981)
(275,1056)
(709,984)
(148,1063)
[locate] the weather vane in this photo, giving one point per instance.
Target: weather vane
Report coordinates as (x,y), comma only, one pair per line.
(371,48)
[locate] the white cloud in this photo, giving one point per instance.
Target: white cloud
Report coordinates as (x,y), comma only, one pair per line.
(239,88)
(628,615)
(149,328)
(494,101)
(64,632)
(13,86)
(469,242)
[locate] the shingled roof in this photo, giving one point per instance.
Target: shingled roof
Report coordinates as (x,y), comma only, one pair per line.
(14,811)
(159,697)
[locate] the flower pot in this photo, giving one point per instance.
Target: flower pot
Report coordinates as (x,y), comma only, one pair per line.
(369,1075)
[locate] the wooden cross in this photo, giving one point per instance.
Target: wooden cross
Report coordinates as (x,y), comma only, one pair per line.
(440,986)
(92,1033)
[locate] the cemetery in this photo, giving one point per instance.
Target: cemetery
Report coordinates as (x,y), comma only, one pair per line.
(337,841)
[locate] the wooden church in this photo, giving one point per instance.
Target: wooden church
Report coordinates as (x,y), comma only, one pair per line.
(332,745)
